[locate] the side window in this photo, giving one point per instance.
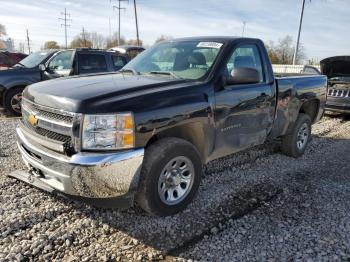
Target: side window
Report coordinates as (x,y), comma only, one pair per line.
(61,63)
(91,63)
(118,62)
(246,56)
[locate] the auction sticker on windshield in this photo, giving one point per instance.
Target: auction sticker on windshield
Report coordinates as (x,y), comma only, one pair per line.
(209,44)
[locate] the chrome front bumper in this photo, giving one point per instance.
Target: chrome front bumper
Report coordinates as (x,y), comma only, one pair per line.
(88,175)
(338,106)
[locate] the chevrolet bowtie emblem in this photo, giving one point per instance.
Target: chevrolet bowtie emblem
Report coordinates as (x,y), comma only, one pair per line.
(32,120)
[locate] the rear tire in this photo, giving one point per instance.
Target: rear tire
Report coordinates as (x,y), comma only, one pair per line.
(295,143)
(170,177)
(13,101)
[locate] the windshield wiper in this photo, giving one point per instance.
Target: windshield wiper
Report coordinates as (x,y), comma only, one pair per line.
(129,70)
(19,64)
(164,73)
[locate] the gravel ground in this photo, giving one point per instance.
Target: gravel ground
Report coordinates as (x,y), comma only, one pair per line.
(256,205)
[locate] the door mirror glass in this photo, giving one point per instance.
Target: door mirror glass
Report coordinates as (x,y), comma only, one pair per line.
(244,66)
(243,75)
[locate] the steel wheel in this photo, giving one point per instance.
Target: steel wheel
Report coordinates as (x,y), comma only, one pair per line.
(303,136)
(176,180)
(16,102)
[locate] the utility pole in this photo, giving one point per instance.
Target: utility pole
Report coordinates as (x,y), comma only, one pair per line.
(298,38)
(28,41)
(84,38)
(119,8)
(137,26)
(21,47)
(243,28)
(65,19)
(110,30)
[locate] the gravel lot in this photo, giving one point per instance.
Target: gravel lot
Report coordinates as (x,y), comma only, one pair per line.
(257,205)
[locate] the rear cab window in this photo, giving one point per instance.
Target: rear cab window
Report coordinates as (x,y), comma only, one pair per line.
(118,62)
(91,63)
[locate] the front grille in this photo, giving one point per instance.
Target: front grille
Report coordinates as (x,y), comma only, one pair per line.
(56,125)
(338,93)
(54,116)
(52,135)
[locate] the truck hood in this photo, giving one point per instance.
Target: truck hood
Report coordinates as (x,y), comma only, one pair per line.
(336,67)
(13,71)
(80,94)
(19,76)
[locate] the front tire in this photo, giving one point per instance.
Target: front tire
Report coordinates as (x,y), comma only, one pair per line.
(295,143)
(170,177)
(13,101)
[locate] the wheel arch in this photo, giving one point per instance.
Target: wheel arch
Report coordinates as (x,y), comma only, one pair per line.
(310,108)
(11,88)
(193,133)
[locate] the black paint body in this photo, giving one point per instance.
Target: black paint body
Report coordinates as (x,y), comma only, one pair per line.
(217,119)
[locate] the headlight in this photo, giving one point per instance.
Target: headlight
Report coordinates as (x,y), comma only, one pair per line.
(108,131)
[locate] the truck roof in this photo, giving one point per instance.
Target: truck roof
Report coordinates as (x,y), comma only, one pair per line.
(213,38)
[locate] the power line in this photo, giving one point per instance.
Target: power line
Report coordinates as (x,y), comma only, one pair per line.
(28,41)
(65,19)
(119,8)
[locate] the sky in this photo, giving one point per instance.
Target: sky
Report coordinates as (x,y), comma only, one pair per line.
(325,31)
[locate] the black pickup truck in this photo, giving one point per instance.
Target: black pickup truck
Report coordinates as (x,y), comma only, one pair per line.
(144,132)
(49,64)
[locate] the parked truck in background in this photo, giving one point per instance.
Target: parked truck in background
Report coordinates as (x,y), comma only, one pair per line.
(8,59)
(50,64)
(130,50)
(143,134)
(337,69)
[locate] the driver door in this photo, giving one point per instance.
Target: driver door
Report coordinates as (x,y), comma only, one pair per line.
(244,113)
(60,65)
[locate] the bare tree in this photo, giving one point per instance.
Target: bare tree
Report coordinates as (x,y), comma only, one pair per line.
(113,42)
(51,45)
(98,40)
(283,52)
(81,40)
(163,38)
(2,30)
(134,42)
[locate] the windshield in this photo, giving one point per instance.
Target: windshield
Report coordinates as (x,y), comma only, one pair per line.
(34,59)
(178,59)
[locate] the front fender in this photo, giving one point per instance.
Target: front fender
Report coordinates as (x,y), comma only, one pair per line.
(182,113)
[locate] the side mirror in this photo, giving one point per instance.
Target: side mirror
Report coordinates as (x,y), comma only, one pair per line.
(42,67)
(243,75)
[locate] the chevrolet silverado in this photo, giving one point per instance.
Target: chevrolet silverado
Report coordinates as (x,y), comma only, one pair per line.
(142,134)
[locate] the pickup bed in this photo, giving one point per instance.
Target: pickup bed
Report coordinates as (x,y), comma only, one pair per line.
(50,64)
(142,134)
